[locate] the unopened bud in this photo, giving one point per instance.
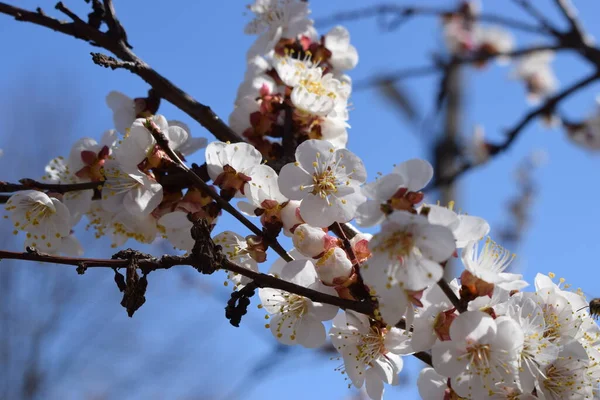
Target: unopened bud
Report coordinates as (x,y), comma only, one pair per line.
(308,240)
(360,245)
(290,216)
(334,267)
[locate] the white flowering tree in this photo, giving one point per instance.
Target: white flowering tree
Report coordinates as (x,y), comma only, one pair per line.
(281,168)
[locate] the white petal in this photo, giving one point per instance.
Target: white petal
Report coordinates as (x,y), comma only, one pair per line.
(307,152)
(291,179)
(416,172)
(311,332)
(374,384)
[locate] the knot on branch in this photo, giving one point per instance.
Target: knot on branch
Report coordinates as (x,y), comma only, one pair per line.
(132,286)
(110,62)
(237,306)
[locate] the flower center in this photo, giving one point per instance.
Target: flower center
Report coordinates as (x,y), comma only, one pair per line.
(398,244)
(37,212)
(479,355)
(324,183)
(371,346)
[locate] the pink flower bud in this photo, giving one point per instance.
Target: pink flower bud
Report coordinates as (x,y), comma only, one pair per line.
(360,245)
(308,240)
(290,216)
(334,267)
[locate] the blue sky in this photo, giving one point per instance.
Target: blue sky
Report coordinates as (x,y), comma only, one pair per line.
(202,48)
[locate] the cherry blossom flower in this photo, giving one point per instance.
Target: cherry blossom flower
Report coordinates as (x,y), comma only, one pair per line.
(43,217)
(371,354)
(343,55)
(132,191)
(534,69)
(538,351)
(396,191)
(489,265)
(408,250)
(296,319)
(78,202)
(277,19)
(236,249)
(139,145)
(566,378)
(481,352)
(494,40)
(326,180)
(229,165)
(264,196)
(313,92)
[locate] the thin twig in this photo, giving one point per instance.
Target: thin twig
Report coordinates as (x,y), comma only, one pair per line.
(571,16)
(409,11)
(530,9)
(115,44)
(546,108)
(162,141)
(438,67)
(451,295)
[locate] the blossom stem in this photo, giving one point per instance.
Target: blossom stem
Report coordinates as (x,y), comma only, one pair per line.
(451,296)
(162,141)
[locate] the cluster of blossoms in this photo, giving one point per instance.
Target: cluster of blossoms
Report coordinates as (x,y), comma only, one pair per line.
(464,36)
(295,83)
(487,338)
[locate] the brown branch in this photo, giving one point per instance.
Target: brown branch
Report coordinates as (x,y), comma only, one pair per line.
(115,42)
(438,66)
(162,141)
(568,11)
(404,12)
(29,184)
(537,15)
(544,109)
(168,261)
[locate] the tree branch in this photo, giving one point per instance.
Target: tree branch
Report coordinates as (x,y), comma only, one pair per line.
(405,12)
(29,184)
(546,108)
(115,42)
(439,66)
(168,261)
(571,16)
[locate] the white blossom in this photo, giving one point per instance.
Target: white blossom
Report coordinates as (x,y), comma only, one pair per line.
(482,351)
(343,55)
(229,165)
(294,318)
(277,19)
(46,219)
(389,192)
(326,180)
(236,249)
(371,354)
(489,265)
